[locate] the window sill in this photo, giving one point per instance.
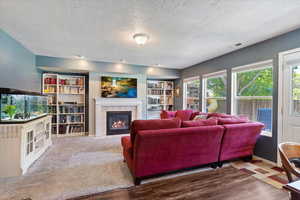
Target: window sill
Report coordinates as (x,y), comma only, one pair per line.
(266,133)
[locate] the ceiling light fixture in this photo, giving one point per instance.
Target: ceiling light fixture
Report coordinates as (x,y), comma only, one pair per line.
(141,38)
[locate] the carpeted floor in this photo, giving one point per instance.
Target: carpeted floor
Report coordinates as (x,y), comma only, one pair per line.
(71,167)
(79,166)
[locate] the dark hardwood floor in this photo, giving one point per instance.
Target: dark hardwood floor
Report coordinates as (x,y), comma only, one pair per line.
(226,183)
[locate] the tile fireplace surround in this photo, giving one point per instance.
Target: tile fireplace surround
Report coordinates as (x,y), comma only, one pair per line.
(102,106)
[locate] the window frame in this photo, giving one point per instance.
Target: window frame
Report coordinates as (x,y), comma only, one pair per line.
(184,96)
(204,89)
(246,68)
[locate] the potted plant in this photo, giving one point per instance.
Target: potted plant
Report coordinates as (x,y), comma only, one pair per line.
(10,110)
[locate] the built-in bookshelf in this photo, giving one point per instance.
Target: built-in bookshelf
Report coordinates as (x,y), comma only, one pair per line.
(66,103)
(160,96)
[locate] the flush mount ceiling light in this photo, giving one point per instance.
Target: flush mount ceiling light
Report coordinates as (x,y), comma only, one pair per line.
(141,38)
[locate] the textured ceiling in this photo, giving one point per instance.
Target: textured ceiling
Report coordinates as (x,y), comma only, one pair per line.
(182,32)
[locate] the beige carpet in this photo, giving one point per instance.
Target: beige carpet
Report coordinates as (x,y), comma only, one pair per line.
(74,167)
(71,167)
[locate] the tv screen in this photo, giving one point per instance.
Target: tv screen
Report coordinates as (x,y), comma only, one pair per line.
(118,87)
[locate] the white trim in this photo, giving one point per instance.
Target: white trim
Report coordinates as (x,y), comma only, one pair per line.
(254,97)
(204,83)
(280,100)
(220,98)
(184,94)
(246,68)
(215,74)
(203,90)
(253,66)
(191,79)
(100,108)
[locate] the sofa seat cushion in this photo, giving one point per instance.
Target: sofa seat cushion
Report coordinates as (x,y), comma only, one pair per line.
(167,114)
(203,122)
(184,115)
(152,124)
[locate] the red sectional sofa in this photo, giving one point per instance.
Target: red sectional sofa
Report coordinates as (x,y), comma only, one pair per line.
(156,147)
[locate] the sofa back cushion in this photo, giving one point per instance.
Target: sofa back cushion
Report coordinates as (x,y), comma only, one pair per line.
(184,115)
(152,124)
(167,114)
(221,115)
(204,122)
(233,120)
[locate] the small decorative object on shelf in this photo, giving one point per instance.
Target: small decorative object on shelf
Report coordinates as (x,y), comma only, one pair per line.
(160,96)
(66,103)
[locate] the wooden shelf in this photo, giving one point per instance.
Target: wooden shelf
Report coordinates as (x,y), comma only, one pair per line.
(71,94)
(161,96)
(71,113)
(70,88)
(71,123)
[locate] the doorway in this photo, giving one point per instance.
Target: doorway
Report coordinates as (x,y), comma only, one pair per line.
(289,93)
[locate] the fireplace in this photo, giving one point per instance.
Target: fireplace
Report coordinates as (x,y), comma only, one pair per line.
(118,122)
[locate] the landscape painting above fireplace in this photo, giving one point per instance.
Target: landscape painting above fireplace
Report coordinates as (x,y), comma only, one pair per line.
(118,87)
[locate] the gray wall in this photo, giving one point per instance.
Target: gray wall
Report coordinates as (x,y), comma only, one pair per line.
(269,49)
(17,65)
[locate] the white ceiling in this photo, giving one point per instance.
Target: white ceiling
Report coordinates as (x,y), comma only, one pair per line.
(182,32)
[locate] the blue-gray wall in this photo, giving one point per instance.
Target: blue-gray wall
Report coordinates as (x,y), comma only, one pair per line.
(78,65)
(269,49)
(17,65)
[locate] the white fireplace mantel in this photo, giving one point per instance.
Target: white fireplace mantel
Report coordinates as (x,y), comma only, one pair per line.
(103,105)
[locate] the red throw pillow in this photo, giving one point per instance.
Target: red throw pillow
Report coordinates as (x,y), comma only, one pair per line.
(207,122)
(152,124)
(167,114)
(184,115)
(233,120)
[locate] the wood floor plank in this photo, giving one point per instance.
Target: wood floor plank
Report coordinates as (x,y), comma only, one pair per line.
(226,183)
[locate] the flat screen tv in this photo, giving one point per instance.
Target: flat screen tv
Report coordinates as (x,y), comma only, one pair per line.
(118,87)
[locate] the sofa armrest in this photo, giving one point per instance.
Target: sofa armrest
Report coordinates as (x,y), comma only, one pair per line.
(239,139)
(127,145)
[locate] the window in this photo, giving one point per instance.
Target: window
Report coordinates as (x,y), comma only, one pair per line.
(295,91)
(252,89)
(191,88)
(214,92)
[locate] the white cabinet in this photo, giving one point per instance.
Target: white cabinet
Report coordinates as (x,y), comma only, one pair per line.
(22,144)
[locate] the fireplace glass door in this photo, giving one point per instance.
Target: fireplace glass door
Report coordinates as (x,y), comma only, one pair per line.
(118,122)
